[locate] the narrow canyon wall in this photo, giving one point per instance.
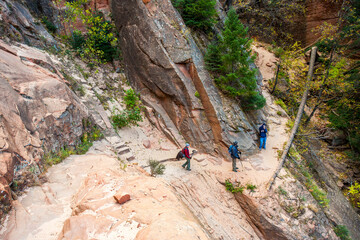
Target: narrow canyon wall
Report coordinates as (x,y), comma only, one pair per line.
(166,67)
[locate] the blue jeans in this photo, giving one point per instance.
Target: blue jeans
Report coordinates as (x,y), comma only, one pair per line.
(262,142)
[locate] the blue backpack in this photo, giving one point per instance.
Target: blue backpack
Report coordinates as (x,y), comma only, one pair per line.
(230,149)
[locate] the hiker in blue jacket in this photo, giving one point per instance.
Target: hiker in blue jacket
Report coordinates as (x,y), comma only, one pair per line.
(263,131)
(234,152)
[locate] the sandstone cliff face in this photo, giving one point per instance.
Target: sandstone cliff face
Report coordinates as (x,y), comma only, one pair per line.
(317,13)
(166,67)
(37,111)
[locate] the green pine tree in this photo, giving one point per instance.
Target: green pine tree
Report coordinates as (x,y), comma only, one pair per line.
(197,14)
(231,58)
(213,58)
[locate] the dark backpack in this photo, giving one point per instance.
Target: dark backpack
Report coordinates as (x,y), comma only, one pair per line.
(180,155)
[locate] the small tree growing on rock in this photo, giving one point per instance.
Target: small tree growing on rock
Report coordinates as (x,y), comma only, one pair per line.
(197,14)
(156,168)
(230,59)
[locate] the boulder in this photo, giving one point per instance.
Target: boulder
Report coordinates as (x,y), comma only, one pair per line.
(122,197)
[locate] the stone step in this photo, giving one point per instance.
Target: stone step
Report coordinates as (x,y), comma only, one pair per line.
(128,156)
(114,140)
(120,145)
(123,150)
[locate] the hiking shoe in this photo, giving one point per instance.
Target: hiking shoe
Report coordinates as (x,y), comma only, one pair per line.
(183,166)
(188,169)
(234,170)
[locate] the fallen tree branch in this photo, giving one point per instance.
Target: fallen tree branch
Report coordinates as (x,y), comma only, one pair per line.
(297,119)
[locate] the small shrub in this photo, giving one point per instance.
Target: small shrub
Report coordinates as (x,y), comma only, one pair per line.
(234,189)
(281,104)
(132,114)
(120,120)
(77,40)
(278,51)
(319,195)
(197,94)
(87,140)
(354,194)
(49,25)
(290,124)
(156,168)
(131,99)
(250,187)
(282,191)
(198,14)
(53,158)
(342,232)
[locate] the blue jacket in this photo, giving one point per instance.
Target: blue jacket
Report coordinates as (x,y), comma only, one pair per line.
(262,131)
(234,151)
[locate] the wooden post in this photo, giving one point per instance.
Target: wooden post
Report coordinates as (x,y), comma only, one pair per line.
(297,119)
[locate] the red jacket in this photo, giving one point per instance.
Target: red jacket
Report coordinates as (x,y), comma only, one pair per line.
(186,152)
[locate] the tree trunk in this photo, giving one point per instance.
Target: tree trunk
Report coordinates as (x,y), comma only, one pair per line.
(298,117)
(318,101)
(276,78)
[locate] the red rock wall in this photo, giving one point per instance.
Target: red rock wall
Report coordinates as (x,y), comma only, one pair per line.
(317,13)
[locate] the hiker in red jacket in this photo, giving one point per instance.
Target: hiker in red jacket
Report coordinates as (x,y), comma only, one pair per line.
(187,157)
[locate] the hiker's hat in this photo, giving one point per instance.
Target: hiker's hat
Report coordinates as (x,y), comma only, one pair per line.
(235,143)
(187,144)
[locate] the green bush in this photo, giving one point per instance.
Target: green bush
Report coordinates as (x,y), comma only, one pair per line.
(354,194)
(98,44)
(132,114)
(156,168)
(198,14)
(77,40)
(234,189)
(342,232)
(281,104)
(197,94)
(230,58)
(131,99)
(49,25)
(251,187)
(126,118)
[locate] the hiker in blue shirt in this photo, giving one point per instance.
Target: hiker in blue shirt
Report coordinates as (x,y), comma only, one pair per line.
(263,131)
(234,152)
